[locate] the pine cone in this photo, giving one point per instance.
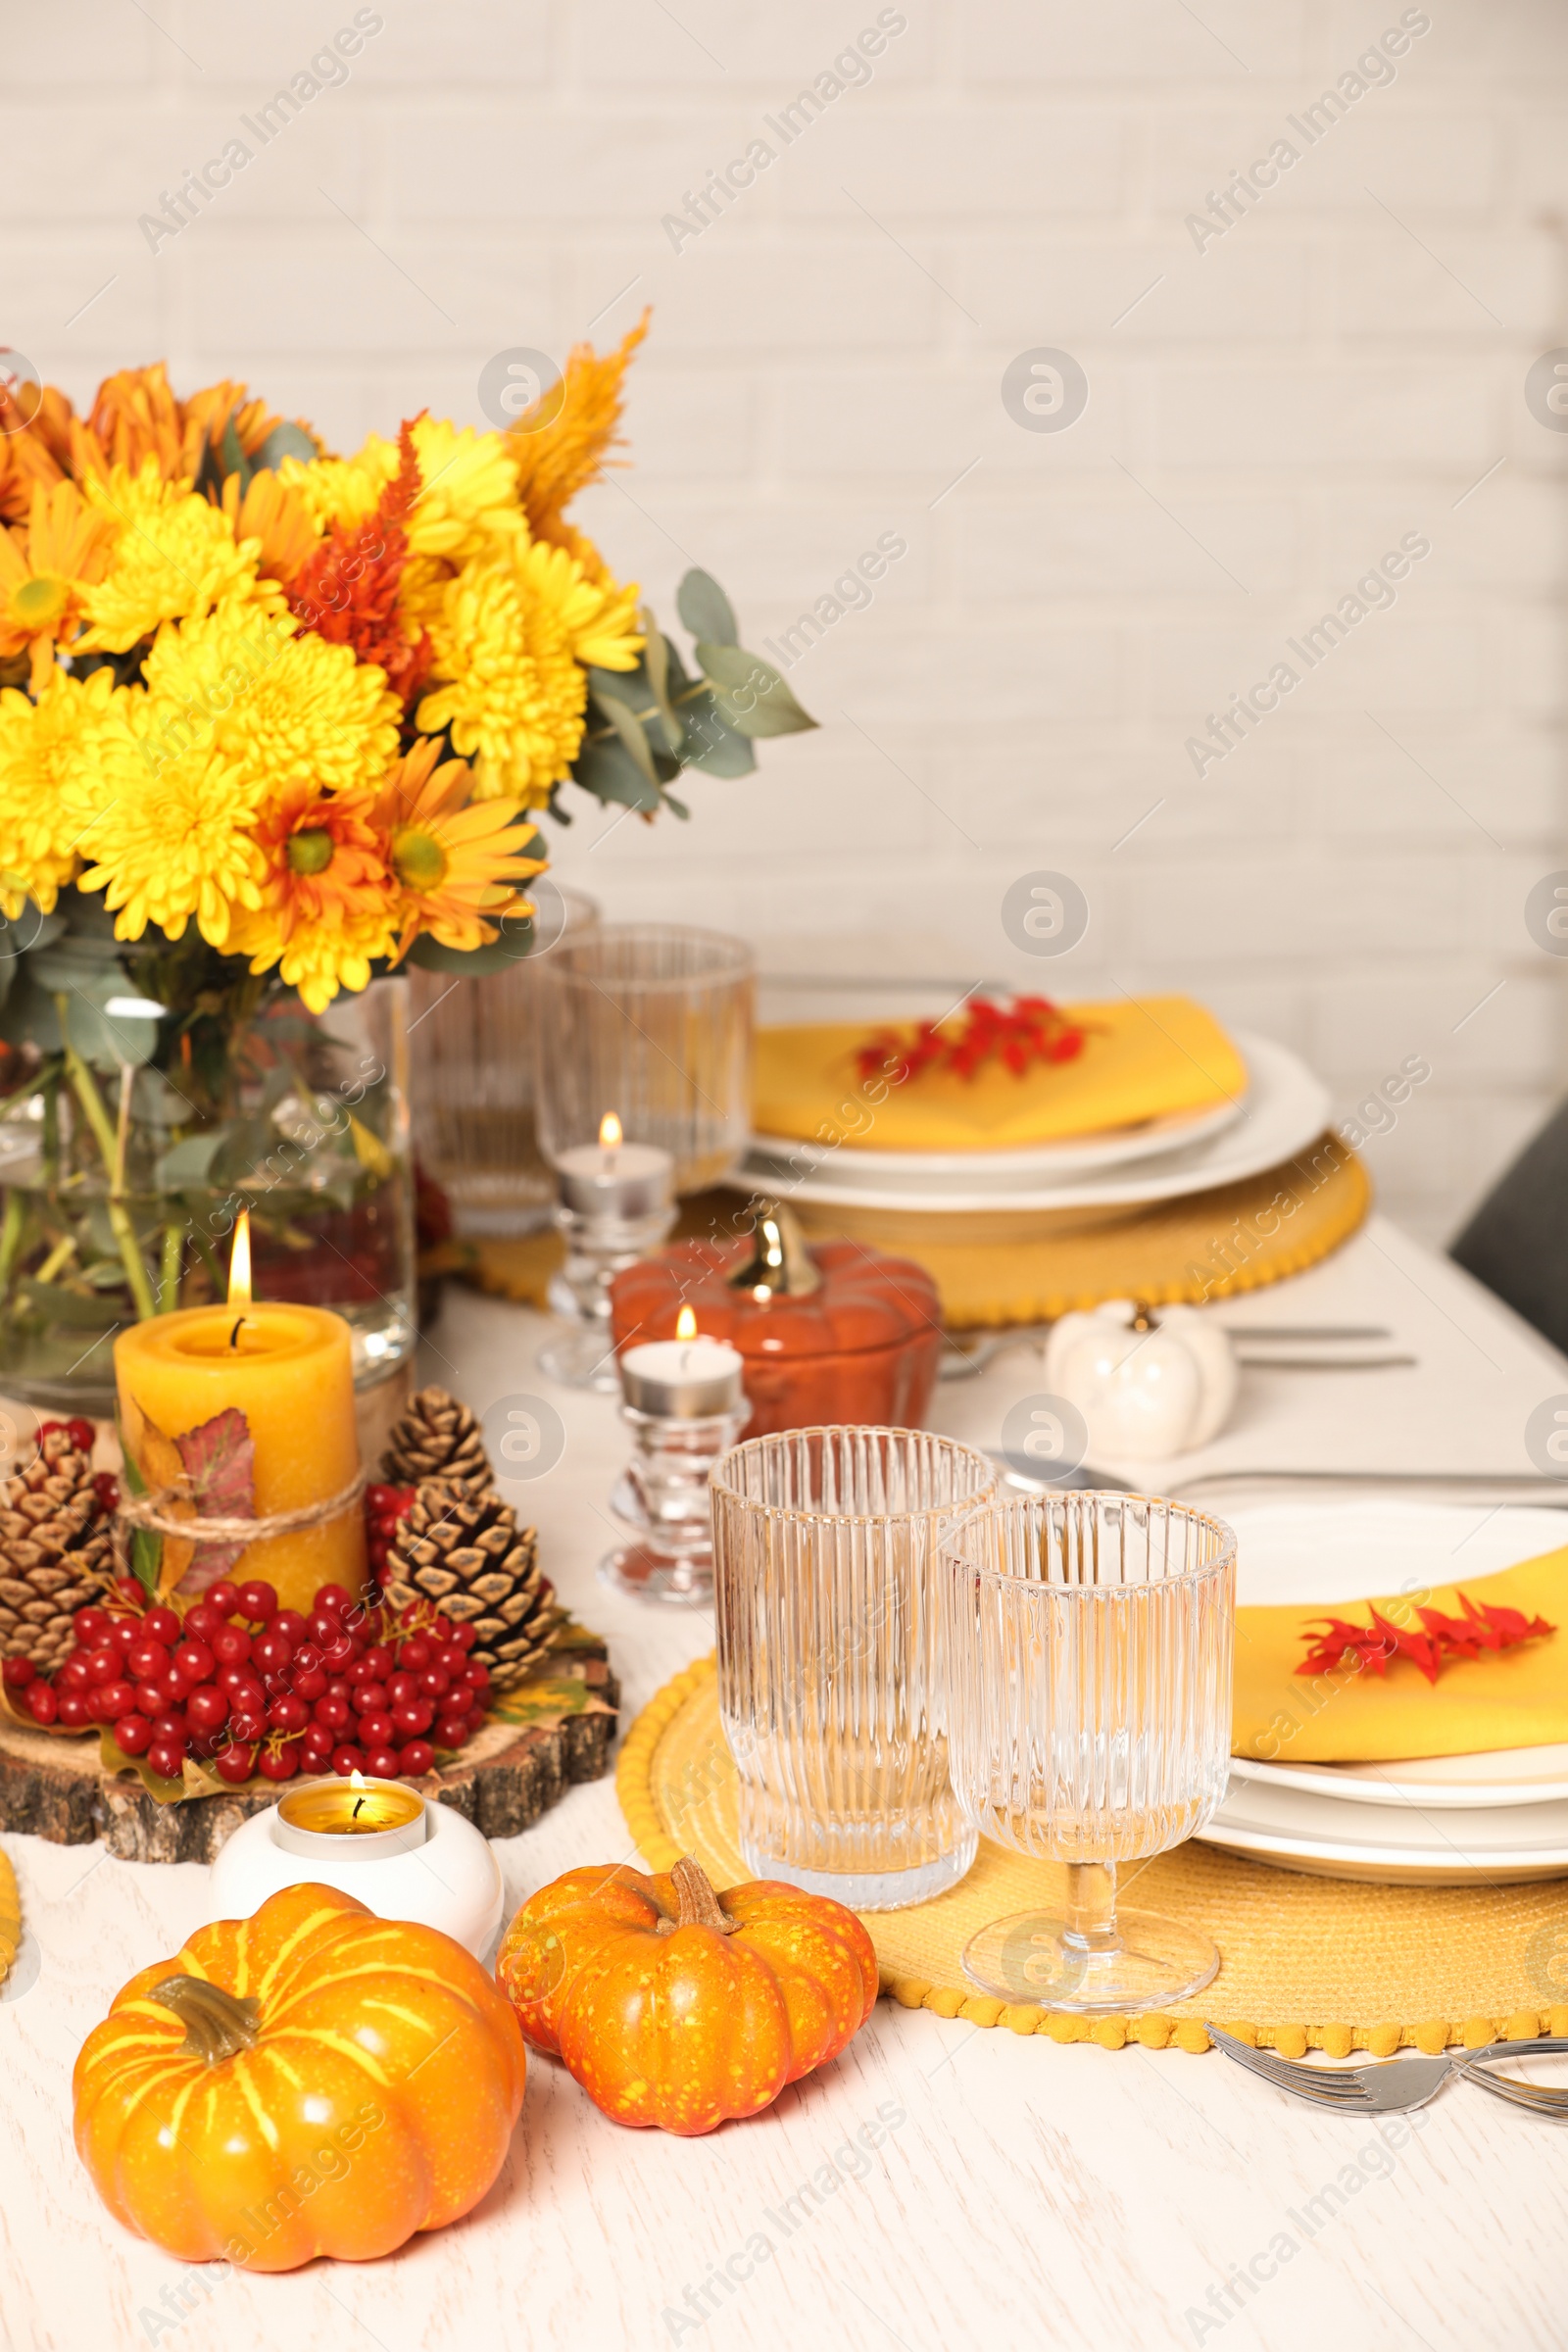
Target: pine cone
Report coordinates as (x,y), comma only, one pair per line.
(464,1550)
(55,1547)
(436,1438)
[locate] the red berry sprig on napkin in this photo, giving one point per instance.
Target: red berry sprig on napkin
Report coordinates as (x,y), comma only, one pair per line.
(1030,1029)
(1440,1638)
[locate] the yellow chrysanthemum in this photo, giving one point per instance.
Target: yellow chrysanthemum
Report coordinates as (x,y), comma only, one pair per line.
(178,844)
(61,759)
(174,554)
(318,958)
(515,629)
(340,489)
(242,687)
(468,480)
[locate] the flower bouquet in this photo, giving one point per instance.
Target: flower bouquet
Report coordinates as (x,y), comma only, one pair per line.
(274,723)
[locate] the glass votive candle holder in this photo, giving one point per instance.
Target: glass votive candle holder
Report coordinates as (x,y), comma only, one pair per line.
(685,1407)
(616,1203)
(832,1686)
(653,1021)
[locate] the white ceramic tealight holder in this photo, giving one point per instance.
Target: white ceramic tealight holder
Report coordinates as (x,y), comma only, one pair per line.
(1150,1384)
(431,1865)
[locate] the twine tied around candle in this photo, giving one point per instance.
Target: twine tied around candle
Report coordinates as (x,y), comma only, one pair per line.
(147,1510)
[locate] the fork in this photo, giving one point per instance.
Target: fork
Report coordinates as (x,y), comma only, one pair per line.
(1391,2087)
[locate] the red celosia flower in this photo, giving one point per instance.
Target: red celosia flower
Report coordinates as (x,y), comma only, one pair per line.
(1372,1646)
(1031,1029)
(348,591)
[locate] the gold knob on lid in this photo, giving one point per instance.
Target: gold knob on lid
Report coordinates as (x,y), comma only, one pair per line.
(781,1265)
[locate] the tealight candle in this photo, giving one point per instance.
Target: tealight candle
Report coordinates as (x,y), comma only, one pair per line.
(376,1839)
(289,1370)
(386,1813)
(685,1380)
(614,1178)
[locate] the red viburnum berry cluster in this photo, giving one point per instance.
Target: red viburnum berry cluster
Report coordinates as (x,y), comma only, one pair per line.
(1440,1638)
(384,1506)
(248,1687)
(1030,1029)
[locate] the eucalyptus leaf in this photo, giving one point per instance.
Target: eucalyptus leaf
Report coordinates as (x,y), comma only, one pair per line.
(657,656)
(710,743)
(610,772)
(56,1305)
(284,441)
(235,459)
(705,610)
(751,692)
(187,1162)
(517,941)
(628,726)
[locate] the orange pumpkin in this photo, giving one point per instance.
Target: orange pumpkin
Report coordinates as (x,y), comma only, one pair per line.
(311,2080)
(678,2007)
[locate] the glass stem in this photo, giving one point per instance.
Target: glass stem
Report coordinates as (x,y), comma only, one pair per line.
(1091,1907)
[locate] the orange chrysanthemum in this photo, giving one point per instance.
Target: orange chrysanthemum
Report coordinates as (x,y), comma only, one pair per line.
(566,446)
(348,591)
(458,864)
(135,416)
(36,457)
(43,570)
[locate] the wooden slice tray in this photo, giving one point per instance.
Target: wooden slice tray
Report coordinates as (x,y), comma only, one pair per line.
(507,1776)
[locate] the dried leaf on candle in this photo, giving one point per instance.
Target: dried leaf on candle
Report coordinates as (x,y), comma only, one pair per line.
(1345,1643)
(219,1461)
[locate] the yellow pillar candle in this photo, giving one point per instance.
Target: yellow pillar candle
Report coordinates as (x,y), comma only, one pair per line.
(289,1370)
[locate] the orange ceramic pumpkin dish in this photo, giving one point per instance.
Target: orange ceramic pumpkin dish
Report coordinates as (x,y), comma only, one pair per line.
(678,2007)
(311,2080)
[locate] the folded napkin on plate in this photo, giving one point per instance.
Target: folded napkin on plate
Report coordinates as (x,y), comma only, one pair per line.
(1502,1698)
(1139,1061)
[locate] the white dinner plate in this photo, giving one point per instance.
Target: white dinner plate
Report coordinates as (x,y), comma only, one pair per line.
(1110,1148)
(1285,1109)
(1401,1844)
(1459,1820)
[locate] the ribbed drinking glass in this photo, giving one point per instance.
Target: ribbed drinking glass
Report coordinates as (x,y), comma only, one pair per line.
(471,1046)
(831,1686)
(1087,1644)
(651,1021)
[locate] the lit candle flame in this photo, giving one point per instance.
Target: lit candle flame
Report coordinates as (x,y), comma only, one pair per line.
(685,1324)
(609,1132)
(239,1263)
(357,1780)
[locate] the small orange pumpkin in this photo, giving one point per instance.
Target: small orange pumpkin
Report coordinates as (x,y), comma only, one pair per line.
(310,2080)
(678,2007)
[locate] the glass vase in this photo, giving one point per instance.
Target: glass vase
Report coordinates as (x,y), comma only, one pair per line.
(121,1178)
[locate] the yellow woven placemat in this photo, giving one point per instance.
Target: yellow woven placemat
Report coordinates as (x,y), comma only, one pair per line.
(10,1917)
(1002,1266)
(1306,1963)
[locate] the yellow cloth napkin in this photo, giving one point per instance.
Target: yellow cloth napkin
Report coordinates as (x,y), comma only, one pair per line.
(1502,1698)
(1141,1060)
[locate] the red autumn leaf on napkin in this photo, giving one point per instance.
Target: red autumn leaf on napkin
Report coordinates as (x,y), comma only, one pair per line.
(219,1464)
(1371,1646)
(1031,1029)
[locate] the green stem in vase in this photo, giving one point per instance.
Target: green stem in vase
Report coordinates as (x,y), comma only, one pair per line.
(170,1270)
(11,1233)
(114,1159)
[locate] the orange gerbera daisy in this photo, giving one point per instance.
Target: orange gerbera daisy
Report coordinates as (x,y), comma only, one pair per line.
(457,863)
(325,860)
(275,516)
(43,570)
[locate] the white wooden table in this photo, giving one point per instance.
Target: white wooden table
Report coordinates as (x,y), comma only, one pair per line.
(1027,2194)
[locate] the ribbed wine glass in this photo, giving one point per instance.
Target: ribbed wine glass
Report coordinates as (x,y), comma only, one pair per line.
(830,1684)
(1087,1642)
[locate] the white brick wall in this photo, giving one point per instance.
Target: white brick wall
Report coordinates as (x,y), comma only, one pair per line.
(1340,368)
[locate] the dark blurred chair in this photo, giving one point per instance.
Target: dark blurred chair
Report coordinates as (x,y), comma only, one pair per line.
(1517,1240)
